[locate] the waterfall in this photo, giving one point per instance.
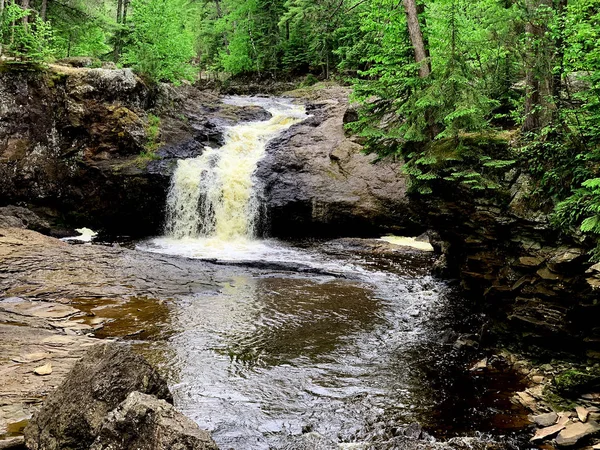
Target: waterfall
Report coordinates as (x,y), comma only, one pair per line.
(215,194)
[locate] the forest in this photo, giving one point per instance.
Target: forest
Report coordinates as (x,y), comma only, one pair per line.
(526,71)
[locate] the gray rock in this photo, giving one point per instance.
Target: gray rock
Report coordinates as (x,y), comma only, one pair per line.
(19,217)
(144,422)
(318,181)
(545,420)
(414,431)
(576,431)
(73,414)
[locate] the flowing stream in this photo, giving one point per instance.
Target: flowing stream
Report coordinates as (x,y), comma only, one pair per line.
(344,352)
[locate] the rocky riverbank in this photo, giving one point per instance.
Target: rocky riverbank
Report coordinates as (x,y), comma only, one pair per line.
(56,296)
(534,280)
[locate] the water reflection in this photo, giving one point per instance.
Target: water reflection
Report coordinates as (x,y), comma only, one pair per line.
(268,358)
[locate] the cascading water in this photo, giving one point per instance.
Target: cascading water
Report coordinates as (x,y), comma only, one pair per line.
(215,195)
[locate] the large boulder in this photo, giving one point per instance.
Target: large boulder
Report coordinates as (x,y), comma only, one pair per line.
(318,181)
(19,217)
(72,416)
(144,422)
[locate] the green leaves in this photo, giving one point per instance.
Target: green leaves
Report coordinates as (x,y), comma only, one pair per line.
(30,41)
(161,45)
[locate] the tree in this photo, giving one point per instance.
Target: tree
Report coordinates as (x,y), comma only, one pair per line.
(162,46)
(416,38)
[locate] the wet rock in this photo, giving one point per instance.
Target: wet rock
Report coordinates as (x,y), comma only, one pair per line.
(250,113)
(413,431)
(545,420)
(142,421)
(575,432)
(73,414)
(317,181)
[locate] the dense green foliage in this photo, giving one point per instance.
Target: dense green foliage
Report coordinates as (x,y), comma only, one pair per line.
(160,44)
(439,80)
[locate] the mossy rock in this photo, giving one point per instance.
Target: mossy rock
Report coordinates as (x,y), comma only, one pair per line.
(575,382)
(21,66)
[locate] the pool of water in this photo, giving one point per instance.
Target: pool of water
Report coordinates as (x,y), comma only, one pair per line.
(276,358)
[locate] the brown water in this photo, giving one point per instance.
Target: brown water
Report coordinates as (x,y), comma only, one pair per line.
(278,359)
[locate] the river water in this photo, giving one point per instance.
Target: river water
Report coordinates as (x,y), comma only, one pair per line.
(313,344)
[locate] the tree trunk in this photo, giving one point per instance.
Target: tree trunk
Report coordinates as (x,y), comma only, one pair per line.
(44,10)
(119,9)
(538,77)
(421,55)
(1,12)
(219,15)
(25,5)
(559,53)
(416,37)
(125,5)
(117,49)
(532,94)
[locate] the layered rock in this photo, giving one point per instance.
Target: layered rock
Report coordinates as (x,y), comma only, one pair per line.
(506,252)
(19,217)
(317,181)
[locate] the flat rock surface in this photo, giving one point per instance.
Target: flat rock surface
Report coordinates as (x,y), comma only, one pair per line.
(575,431)
(53,294)
(545,420)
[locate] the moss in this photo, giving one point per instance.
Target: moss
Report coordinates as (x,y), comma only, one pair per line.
(575,382)
(56,78)
(309,80)
(21,66)
(152,134)
(558,402)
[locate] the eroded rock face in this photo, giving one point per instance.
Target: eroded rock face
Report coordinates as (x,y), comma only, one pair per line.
(142,421)
(72,415)
(532,279)
(317,180)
